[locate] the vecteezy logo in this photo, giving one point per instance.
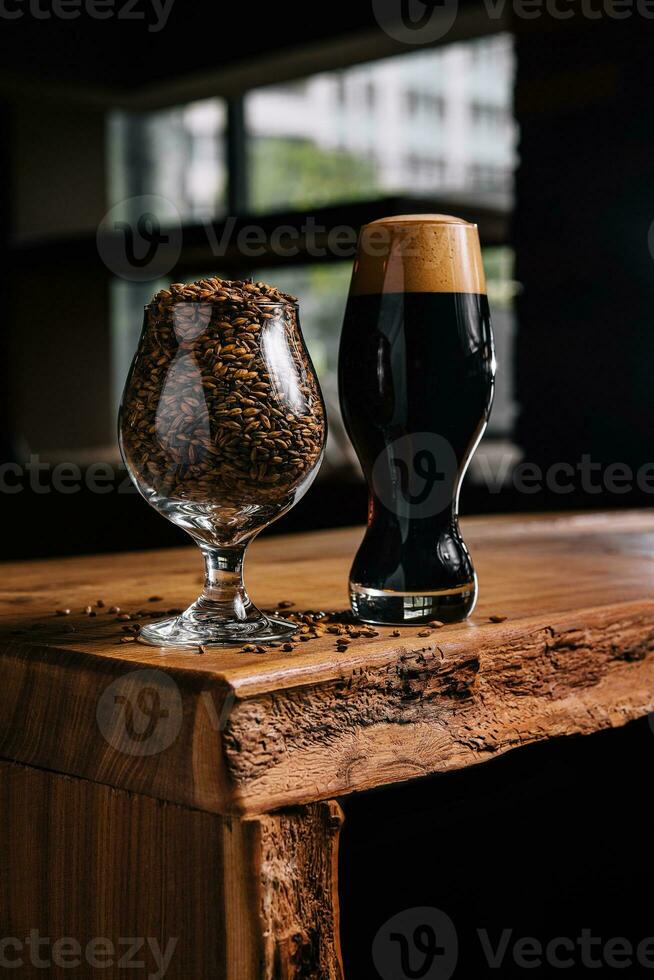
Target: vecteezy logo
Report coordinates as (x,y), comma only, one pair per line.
(415,21)
(415,475)
(141,712)
(140,239)
(149,231)
(416,944)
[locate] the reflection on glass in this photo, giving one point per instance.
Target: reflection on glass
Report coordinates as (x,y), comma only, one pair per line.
(222,428)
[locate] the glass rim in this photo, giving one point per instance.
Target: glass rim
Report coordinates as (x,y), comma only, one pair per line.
(293,304)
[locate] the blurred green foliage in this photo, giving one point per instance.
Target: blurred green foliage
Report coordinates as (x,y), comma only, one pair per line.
(295,173)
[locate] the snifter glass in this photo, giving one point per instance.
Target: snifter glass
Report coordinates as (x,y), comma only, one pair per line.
(222,429)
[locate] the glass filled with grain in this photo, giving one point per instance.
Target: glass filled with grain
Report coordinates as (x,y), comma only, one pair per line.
(222,428)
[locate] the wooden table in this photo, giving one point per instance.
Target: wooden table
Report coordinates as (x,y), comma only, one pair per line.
(172,796)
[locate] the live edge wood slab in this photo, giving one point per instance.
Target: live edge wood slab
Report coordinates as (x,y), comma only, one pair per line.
(244,754)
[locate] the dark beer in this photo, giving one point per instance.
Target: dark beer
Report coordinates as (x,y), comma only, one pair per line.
(416,369)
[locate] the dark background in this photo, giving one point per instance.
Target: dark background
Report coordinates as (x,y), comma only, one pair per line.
(584,203)
(544,843)
(552,839)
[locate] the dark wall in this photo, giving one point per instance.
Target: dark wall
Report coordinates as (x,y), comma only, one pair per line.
(546,842)
(135,45)
(6,426)
(584,207)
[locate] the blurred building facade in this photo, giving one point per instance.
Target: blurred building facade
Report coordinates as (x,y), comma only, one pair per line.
(428,121)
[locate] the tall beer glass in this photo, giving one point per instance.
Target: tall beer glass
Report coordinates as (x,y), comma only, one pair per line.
(416,375)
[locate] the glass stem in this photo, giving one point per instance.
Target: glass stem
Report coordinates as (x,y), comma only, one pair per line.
(224,592)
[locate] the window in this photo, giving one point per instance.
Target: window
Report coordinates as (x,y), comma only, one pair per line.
(432,105)
(178,154)
(486,114)
(334,137)
(313,149)
(486,177)
(438,105)
(434,123)
(498,264)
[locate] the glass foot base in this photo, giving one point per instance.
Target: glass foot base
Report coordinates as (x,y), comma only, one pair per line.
(184,632)
(386,607)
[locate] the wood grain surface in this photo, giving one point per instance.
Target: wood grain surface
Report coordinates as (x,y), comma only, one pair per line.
(231,732)
(114,884)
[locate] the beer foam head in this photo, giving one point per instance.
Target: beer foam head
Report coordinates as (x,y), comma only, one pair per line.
(418,253)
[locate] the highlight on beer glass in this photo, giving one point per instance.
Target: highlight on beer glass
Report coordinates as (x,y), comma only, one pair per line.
(416,377)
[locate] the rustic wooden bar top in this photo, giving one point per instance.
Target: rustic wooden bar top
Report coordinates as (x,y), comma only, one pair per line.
(261,731)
